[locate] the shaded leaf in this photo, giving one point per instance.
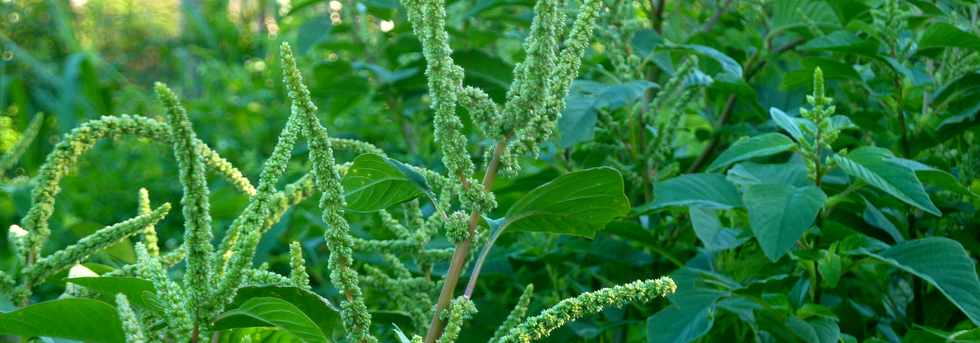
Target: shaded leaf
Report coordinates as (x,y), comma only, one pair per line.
(746,148)
(372,184)
(702,190)
(878,168)
(579,203)
(272,312)
(780,213)
(943,263)
(80,319)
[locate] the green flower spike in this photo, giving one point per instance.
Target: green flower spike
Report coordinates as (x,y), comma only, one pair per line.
(297,266)
(516,315)
(570,309)
(357,320)
(170,296)
(458,312)
(195,203)
(130,322)
(89,245)
(149,232)
(428,18)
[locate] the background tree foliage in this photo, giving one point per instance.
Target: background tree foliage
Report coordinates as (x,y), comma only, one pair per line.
(788,205)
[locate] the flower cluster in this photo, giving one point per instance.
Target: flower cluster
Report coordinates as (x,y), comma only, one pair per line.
(568,310)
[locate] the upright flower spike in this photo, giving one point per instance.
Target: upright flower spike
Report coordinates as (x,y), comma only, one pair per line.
(130,322)
(445,81)
(149,232)
(458,312)
(556,80)
(85,247)
(356,318)
(236,253)
(179,324)
(297,266)
(194,203)
(527,94)
(516,315)
(570,309)
(825,134)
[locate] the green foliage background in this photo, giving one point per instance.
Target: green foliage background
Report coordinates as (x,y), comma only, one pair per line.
(905,73)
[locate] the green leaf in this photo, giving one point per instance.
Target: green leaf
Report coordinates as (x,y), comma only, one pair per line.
(271,312)
(780,213)
(830,267)
(701,190)
(684,321)
(80,319)
(789,124)
(945,35)
(792,172)
(730,68)
(710,231)
(873,216)
(878,168)
(842,41)
(586,98)
(746,148)
(132,287)
(324,314)
(936,177)
(579,203)
(372,184)
(943,263)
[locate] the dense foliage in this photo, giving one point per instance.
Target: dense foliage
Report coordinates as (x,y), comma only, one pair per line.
(488,170)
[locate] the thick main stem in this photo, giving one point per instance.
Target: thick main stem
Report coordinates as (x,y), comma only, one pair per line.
(462,250)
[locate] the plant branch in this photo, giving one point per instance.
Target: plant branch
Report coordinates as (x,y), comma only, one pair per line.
(462,250)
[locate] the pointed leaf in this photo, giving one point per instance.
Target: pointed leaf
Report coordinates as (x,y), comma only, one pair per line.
(80,319)
(108,286)
(780,213)
(944,35)
(943,263)
(710,231)
(702,190)
(272,312)
(877,167)
(323,313)
(746,148)
(579,203)
(372,184)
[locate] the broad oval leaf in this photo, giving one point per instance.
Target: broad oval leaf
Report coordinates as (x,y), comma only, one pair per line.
(109,286)
(82,319)
(843,41)
(746,148)
(272,312)
(373,183)
(690,316)
(943,263)
(943,35)
(780,213)
(701,190)
(323,313)
(878,168)
(579,203)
